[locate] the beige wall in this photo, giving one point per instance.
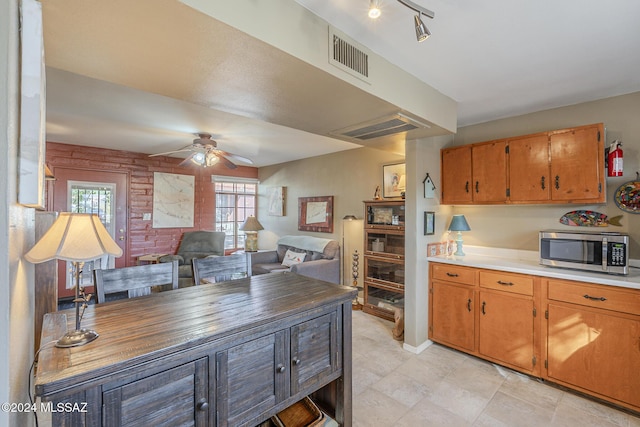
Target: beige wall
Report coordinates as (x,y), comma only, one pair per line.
(517,226)
(17,224)
(349,176)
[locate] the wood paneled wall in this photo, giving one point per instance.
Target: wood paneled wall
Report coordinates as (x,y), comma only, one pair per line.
(142,238)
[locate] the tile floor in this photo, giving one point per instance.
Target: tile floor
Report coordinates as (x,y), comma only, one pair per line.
(443,387)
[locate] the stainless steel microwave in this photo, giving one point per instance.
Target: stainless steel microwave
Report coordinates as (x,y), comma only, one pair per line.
(600,252)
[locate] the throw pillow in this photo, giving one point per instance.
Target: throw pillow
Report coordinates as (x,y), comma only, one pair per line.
(292,258)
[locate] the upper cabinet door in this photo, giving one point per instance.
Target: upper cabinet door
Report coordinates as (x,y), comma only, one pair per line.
(489,168)
(456,175)
(529,169)
(577,164)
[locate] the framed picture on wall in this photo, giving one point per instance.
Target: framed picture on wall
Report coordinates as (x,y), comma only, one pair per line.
(393,180)
(315,214)
(275,199)
(429,223)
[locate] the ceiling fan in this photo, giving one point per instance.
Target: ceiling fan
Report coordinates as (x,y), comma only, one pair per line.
(204,152)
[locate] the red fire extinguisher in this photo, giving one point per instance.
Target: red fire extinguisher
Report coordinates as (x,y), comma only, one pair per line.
(614,160)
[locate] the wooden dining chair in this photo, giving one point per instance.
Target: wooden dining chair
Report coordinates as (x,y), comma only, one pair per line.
(136,281)
(220,268)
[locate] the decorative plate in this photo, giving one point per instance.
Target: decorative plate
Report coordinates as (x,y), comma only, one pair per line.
(627,197)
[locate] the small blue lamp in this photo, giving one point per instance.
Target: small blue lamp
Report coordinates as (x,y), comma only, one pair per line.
(459,224)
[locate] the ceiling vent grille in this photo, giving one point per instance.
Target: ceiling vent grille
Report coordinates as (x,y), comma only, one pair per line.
(389,125)
(347,55)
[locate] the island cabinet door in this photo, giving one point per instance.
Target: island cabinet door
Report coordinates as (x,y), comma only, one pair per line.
(177,396)
(314,352)
(252,378)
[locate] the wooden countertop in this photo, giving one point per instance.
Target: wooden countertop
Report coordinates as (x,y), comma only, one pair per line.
(143,329)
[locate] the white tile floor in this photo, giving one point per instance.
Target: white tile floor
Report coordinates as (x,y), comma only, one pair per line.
(443,387)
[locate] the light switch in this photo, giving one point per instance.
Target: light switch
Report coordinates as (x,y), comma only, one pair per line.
(146,216)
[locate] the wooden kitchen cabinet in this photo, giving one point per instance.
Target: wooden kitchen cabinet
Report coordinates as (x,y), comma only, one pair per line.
(452,306)
(474,173)
(486,313)
(489,171)
(560,166)
(593,334)
(529,169)
(577,165)
(457,180)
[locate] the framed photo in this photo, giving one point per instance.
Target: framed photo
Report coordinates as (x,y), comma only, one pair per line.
(429,223)
(315,214)
(275,198)
(393,180)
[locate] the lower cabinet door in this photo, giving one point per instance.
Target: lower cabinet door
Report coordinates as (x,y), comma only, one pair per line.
(596,351)
(177,396)
(314,351)
(252,378)
(506,329)
(453,316)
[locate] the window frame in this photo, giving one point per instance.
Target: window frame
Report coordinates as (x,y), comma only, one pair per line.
(239,190)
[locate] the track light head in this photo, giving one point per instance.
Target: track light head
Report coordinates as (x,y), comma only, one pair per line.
(374,9)
(422,32)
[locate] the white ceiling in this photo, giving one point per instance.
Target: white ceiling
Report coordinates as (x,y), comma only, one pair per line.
(121,77)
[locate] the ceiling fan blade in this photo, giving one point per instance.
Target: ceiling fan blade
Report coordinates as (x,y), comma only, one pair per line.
(228,163)
(186,161)
(183,149)
(235,157)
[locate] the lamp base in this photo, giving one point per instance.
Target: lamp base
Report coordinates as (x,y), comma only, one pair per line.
(459,251)
(77,338)
(251,241)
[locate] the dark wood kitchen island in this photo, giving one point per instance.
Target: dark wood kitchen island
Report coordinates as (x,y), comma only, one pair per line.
(226,354)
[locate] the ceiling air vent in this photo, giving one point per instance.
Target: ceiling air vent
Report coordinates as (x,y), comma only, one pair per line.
(384,126)
(348,55)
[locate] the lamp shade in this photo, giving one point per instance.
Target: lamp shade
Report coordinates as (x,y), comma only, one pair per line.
(74,237)
(251,224)
(459,223)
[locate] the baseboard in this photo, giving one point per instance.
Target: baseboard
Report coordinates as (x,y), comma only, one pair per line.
(419,349)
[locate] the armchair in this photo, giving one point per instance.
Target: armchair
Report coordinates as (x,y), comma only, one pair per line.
(321,260)
(195,244)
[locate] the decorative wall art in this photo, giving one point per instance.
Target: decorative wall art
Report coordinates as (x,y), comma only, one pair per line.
(315,214)
(173,200)
(276,201)
(393,180)
(429,223)
(32,107)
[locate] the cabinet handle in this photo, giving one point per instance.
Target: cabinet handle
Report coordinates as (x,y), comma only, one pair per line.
(500,282)
(557,182)
(542,182)
(477,186)
(452,275)
(202,405)
(587,296)
(466,186)
(280,369)
(483,304)
(296,361)
(469,305)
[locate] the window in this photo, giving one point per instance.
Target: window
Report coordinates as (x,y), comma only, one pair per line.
(235,201)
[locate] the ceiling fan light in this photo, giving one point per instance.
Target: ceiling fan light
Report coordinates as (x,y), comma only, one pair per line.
(210,160)
(198,159)
(422,32)
(374,9)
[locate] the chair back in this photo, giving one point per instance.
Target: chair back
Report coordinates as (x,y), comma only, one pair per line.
(220,268)
(136,281)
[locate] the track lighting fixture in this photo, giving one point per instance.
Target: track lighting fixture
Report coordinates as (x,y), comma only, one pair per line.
(374,9)
(422,32)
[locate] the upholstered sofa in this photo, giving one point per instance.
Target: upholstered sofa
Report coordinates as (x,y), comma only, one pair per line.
(195,244)
(321,258)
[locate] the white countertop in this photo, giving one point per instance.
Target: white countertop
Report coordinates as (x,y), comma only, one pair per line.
(526,262)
